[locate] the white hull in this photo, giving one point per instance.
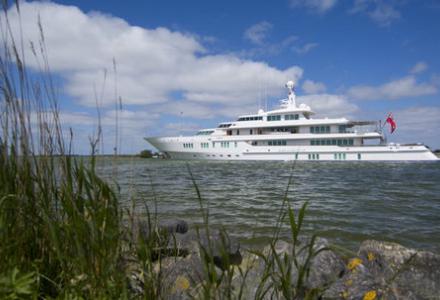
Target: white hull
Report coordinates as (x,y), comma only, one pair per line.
(172,147)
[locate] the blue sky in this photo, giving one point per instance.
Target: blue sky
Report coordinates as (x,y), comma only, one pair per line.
(185,65)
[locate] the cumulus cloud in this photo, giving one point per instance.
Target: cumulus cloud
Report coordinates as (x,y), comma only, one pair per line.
(312,87)
(305,48)
(418,124)
(329,105)
(381,12)
(400,88)
(257,33)
(318,6)
(153,65)
(419,67)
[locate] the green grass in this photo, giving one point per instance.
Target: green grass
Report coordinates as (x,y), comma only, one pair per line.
(61,226)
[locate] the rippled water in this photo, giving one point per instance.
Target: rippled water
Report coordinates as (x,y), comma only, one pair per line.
(348,201)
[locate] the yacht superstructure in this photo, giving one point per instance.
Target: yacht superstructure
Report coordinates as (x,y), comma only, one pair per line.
(290,133)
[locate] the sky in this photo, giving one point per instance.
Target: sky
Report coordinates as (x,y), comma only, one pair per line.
(167,67)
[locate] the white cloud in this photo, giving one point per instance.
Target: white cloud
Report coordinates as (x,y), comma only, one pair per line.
(419,67)
(329,105)
(400,88)
(153,65)
(381,12)
(418,124)
(257,33)
(312,87)
(268,49)
(306,48)
(318,6)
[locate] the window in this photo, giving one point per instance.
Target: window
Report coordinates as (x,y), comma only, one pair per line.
(340,156)
(342,128)
(350,142)
(320,129)
(359,156)
(252,118)
(250,131)
(277,143)
(291,117)
(235,144)
(274,118)
(312,142)
(238,132)
(296,155)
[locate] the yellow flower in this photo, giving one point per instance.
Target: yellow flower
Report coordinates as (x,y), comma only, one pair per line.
(370,256)
(353,263)
(345,294)
(181,284)
(349,282)
(370,295)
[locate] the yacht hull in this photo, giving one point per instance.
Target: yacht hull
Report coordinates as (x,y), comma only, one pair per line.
(173,148)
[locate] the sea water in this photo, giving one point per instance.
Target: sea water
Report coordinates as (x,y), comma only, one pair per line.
(348,202)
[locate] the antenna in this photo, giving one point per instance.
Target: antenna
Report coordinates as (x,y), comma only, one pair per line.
(290,85)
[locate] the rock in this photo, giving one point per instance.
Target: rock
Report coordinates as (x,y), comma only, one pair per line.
(325,268)
(407,273)
(391,271)
(224,249)
(142,227)
(181,276)
(174,226)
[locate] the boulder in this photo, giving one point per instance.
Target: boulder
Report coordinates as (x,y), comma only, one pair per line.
(390,271)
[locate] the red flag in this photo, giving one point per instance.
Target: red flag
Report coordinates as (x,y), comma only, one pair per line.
(392,123)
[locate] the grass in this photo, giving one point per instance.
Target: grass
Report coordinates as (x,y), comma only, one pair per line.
(61,226)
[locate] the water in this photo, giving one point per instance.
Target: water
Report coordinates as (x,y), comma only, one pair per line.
(348,201)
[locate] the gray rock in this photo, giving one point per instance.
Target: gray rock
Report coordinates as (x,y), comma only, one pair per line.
(391,271)
(181,276)
(324,268)
(223,249)
(407,273)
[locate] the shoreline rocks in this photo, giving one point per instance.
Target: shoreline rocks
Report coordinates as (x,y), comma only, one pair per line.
(380,270)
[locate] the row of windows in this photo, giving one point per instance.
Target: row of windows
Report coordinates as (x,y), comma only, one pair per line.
(320,129)
(336,156)
(188,145)
(224,125)
(274,118)
(291,117)
(206,132)
(204,145)
(314,156)
(342,128)
(344,142)
(285,129)
(277,143)
(340,156)
(255,118)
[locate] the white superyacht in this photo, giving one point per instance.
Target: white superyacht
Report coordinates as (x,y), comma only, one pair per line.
(290,133)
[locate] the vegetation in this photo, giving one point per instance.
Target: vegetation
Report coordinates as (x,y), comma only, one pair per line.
(61,226)
(146,154)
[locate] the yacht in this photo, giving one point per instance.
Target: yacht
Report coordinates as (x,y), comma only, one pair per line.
(291,133)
